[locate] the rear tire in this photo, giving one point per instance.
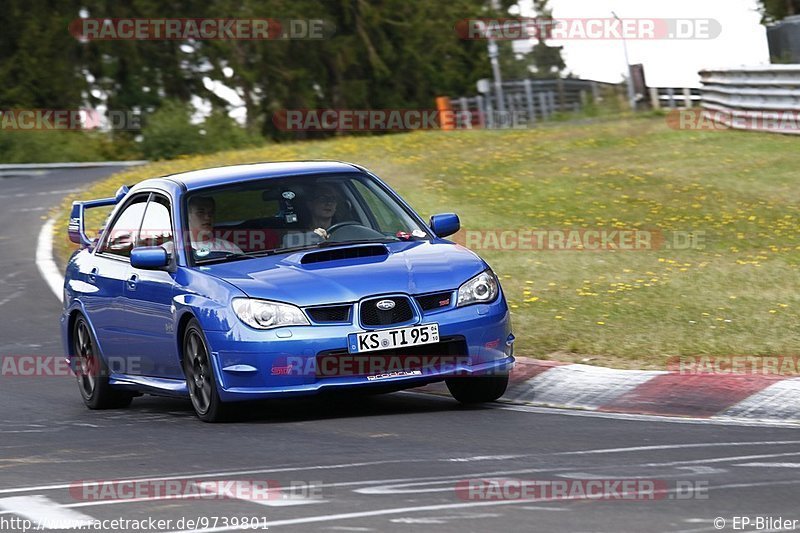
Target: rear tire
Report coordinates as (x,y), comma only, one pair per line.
(92,372)
(477,389)
(200,378)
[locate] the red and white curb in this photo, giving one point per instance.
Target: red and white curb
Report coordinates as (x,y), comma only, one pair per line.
(765,398)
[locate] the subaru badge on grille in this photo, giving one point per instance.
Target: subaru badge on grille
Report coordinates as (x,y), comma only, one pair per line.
(385,305)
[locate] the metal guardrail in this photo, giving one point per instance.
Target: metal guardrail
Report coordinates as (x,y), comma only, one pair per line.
(754,98)
(35,169)
(89,164)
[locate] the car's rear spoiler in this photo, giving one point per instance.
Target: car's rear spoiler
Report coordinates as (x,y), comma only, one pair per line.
(76,228)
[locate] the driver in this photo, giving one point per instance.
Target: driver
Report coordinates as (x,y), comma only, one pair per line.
(321,206)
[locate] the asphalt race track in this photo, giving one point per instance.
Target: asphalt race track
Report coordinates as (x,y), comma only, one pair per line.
(386,463)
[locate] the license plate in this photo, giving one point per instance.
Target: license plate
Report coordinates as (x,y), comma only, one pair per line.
(393,338)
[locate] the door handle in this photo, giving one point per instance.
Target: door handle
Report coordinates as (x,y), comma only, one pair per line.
(132,281)
(92,276)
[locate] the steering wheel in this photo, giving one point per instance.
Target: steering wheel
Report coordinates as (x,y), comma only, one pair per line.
(339,225)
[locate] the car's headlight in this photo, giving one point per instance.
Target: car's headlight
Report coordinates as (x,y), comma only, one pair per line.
(262,314)
(483,288)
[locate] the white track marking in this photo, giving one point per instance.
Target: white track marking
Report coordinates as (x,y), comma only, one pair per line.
(391,486)
(466,505)
(29,209)
(486,458)
(281,498)
(10,297)
(681,446)
(207,475)
(721,421)
(507,405)
(45,513)
(41,193)
(443,519)
(44,260)
(696,470)
(771,465)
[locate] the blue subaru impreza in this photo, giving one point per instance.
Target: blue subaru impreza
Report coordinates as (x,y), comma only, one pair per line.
(277,279)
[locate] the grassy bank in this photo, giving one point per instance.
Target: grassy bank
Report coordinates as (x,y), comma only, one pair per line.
(738,294)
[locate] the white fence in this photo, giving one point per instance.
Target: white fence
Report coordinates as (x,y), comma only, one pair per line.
(527,101)
(754,98)
(672,98)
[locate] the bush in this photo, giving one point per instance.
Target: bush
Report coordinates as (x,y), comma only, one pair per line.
(221,132)
(64,146)
(168,133)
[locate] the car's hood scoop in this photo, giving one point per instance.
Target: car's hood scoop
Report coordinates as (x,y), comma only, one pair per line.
(349,252)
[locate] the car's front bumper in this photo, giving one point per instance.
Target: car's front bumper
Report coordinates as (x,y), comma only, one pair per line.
(252,364)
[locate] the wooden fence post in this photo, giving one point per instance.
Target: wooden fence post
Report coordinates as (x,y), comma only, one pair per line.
(655,100)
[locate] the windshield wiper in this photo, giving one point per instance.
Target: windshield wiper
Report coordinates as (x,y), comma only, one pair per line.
(274,251)
(228,257)
(326,244)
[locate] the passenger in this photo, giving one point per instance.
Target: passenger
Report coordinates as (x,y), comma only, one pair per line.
(202,210)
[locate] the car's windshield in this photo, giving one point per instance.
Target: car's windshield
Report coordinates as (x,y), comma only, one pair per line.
(285,214)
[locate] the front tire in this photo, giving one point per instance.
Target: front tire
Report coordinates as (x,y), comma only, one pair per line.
(200,378)
(477,389)
(92,372)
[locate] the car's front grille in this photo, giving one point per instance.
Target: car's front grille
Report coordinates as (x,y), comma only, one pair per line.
(372,315)
(332,313)
(436,300)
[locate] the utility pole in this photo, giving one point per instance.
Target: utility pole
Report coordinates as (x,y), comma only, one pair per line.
(631,91)
(498,78)
(494,58)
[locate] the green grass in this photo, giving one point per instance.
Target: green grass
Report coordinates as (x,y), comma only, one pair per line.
(737,296)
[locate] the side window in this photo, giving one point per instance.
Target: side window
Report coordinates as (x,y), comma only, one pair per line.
(120,237)
(157,224)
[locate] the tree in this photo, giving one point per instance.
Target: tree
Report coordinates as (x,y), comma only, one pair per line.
(39,65)
(546,59)
(380,54)
(542,61)
(774,10)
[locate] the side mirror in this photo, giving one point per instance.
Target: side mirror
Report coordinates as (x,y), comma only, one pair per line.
(445,224)
(149,257)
